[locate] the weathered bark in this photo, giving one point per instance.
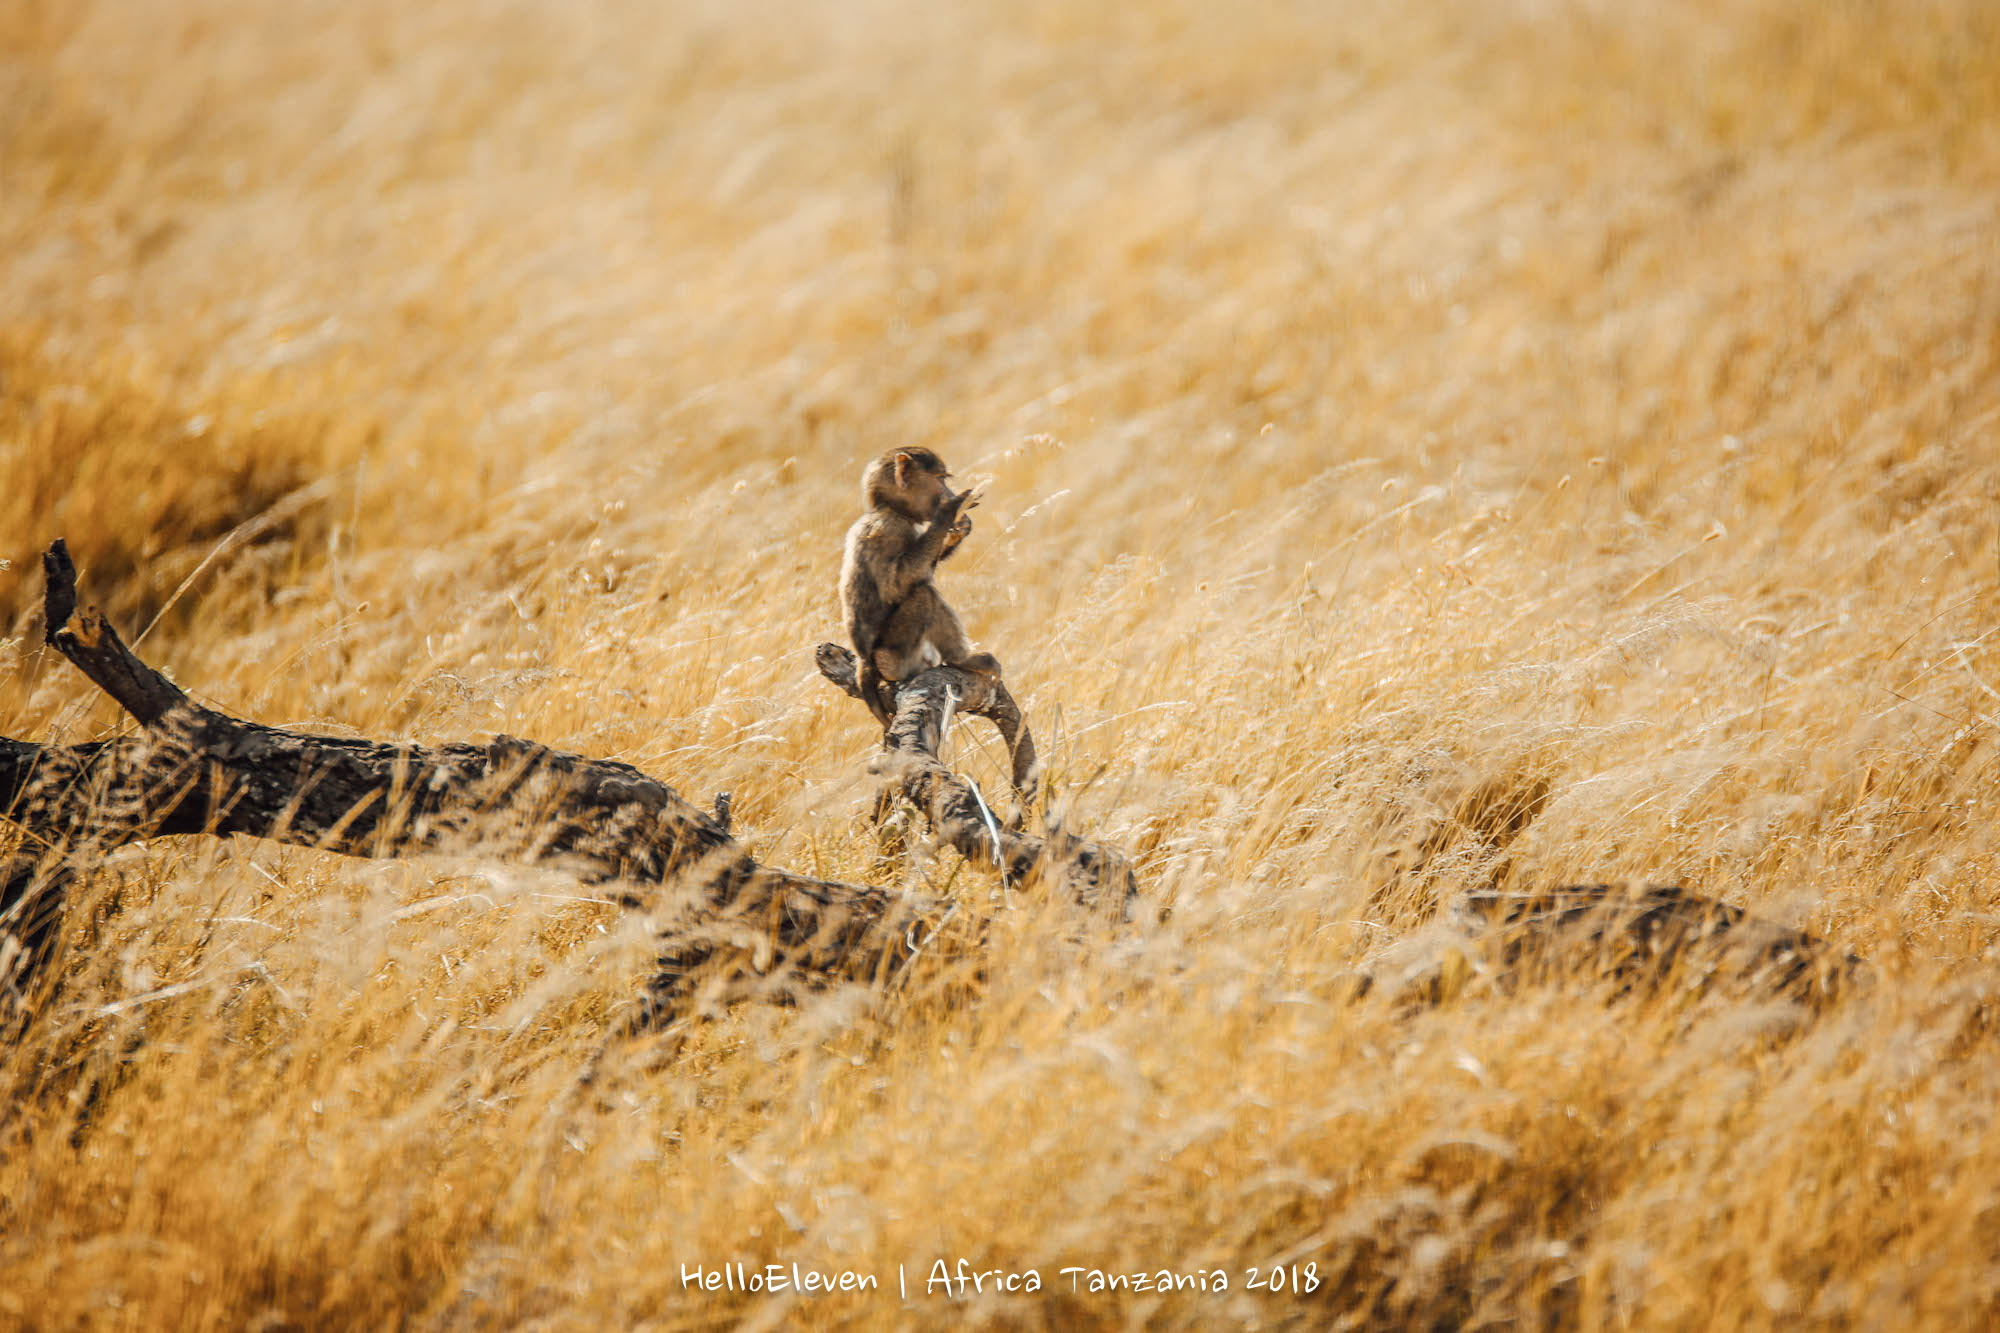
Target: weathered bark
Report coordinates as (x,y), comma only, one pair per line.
(195,770)
(925,704)
(1636,932)
(1632,937)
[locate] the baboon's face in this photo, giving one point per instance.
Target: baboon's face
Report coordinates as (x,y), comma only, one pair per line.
(925,480)
(911,481)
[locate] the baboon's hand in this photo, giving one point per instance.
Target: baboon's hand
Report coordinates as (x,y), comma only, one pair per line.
(954,505)
(966,499)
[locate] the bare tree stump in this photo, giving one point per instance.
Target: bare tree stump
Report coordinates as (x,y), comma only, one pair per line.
(1094,874)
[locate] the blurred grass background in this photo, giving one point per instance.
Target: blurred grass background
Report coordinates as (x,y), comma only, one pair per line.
(1396,413)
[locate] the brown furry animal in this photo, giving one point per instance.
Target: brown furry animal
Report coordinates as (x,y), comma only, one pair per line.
(895,616)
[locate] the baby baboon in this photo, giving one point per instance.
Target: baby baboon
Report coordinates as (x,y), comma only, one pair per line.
(898,621)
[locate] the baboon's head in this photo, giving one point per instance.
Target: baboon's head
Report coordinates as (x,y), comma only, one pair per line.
(910,481)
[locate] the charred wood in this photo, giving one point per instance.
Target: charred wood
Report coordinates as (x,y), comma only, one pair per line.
(192,769)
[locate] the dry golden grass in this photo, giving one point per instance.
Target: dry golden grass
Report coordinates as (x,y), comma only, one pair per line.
(1392,410)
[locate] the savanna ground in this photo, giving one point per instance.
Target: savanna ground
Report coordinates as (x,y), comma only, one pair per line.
(1393,411)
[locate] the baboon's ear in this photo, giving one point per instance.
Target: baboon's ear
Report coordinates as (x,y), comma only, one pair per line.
(904,462)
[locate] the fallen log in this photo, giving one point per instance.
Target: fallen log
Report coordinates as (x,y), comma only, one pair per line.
(1630,938)
(957,812)
(192,769)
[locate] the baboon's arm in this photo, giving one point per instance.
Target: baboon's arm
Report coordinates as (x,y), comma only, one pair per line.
(866,615)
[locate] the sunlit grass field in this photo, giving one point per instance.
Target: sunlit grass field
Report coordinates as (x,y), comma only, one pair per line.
(1393,413)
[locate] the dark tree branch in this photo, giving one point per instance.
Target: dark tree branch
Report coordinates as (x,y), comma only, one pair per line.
(1092,872)
(88,641)
(1631,937)
(1636,931)
(193,769)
